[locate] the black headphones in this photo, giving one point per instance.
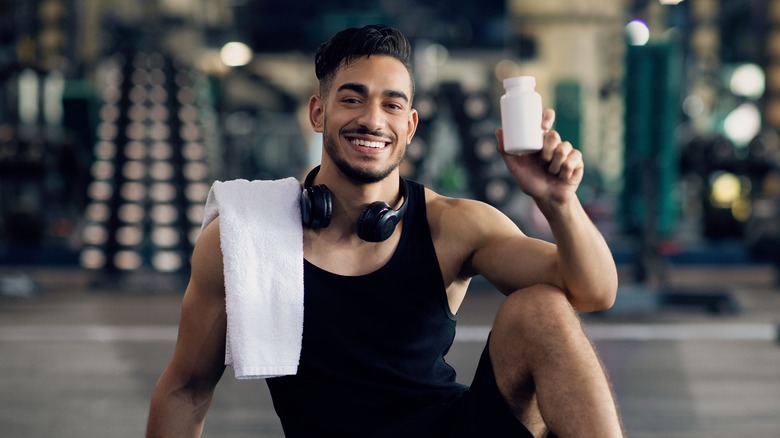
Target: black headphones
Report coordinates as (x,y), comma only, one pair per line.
(375,224)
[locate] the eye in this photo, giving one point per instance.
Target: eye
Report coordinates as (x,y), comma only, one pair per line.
(395,106)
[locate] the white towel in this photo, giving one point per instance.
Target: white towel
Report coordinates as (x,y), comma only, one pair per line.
(262,247)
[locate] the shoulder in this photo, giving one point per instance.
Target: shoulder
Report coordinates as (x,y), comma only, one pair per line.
(465,217)
(207,263)
(462,227)
(209,237)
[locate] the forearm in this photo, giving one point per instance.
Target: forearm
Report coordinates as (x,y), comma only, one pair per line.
(584,261)
(176,413)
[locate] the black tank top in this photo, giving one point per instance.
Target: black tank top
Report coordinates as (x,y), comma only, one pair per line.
(373,345)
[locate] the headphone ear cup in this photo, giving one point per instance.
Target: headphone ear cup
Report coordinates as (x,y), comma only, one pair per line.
(316,206)
(377,222)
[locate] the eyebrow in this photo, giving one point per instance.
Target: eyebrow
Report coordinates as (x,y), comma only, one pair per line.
(362,89)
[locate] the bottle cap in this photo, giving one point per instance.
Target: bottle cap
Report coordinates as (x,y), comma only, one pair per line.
(527,82)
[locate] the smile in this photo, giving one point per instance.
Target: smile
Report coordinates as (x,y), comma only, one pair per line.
(368,144)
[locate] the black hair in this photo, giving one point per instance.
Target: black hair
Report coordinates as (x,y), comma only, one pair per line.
(348,44)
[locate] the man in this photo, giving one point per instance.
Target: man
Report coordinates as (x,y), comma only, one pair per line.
(379,315)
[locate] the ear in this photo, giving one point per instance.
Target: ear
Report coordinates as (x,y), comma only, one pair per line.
(412,125)
(316,113)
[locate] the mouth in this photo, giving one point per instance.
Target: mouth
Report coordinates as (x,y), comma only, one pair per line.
(367,143)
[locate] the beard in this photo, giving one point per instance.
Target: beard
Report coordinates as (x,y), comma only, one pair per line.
(352,172)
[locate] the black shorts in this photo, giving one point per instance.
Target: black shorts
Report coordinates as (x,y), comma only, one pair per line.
(480,411)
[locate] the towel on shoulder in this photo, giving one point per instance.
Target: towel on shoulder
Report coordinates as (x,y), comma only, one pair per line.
(261,237)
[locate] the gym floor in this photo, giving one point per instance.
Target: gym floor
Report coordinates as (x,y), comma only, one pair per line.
(81,361)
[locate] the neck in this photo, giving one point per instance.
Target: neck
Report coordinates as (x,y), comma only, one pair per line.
(351,198)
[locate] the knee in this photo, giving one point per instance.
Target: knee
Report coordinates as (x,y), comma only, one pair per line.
(539,307)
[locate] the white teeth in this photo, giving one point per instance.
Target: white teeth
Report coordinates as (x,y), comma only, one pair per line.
(368,144)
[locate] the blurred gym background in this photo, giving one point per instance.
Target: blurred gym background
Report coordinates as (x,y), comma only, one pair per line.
(115,117)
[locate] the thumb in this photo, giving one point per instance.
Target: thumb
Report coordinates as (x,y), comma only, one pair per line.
(500,138)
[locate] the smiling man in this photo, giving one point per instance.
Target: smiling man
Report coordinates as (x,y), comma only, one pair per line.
(380,305)
(370,113)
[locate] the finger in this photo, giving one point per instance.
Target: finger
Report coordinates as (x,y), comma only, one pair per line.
(551,140)
(560,156)
(548,118)
(575,175)
(573,166)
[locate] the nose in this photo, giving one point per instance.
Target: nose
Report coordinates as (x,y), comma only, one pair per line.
(372,118)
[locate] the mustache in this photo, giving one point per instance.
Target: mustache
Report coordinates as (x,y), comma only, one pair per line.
(365,131)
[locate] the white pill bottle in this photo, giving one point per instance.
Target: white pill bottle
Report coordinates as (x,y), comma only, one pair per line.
(521,115)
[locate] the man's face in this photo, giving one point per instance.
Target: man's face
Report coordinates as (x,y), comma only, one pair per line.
(366,117)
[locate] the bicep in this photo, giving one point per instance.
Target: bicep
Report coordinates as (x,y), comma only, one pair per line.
(507,258)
